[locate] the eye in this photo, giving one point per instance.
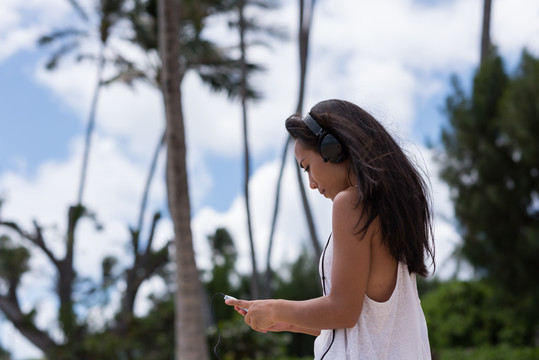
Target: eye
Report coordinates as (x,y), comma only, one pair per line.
(307,169)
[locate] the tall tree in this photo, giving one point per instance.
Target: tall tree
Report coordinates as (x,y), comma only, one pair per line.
(189,325)
(70,40)
(215,68)
(305,20)
(14,263)
(255,287)
(249,26)
(485,30)
(491,164)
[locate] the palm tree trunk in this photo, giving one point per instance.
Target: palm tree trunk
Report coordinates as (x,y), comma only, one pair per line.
(485,33)
(149,180)
(255,289)
(304,32)
(91,124)
(268,288)
(303,35)
(189,325)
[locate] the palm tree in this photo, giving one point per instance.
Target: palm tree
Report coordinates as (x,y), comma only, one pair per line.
(255,289)
(303,36)
(218,71)
(215,68)
(485,32)
(304,32)
(69,41)
(250,26)
(221,72)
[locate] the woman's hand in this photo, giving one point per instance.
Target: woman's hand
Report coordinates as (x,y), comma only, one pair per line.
(281,326)
(259,314)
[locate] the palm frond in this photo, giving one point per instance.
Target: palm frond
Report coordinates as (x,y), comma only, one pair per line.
(254,27)
(126,71)
(226,76)
(61,52)
(61,34)
(86,57)
(127,77)
(111,7)
(264,4)
(144,24)
(79,10)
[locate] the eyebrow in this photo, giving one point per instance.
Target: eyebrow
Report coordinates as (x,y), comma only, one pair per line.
(301,163)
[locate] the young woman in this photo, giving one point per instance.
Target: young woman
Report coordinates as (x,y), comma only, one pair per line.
(381,238)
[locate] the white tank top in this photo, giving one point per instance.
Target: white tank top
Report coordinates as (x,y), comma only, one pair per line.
(395,329)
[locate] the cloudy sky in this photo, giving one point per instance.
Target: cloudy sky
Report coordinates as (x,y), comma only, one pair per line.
(392,57)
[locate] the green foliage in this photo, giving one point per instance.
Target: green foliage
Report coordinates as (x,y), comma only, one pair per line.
(502,352)
(463,314)
(220,278)
(295,281)
(491,163)
(239,341)
(69,40)
(299,280)
(214,64)
(13,261)
(4,354)
(150,337)
(424,285)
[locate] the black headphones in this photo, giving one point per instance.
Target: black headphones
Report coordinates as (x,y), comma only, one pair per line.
(329,147)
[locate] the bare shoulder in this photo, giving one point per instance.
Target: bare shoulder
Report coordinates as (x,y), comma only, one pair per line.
(346,199)
(346,210)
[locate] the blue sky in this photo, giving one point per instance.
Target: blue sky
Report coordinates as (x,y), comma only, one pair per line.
(392,57)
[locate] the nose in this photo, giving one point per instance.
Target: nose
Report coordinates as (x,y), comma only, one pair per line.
(313,185)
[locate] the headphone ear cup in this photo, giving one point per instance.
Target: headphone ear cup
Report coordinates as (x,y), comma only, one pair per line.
(331,149)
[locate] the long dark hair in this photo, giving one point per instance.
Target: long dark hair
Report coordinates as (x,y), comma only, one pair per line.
(389,185)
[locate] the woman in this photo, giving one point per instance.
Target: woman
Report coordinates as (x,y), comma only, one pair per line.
(381,222)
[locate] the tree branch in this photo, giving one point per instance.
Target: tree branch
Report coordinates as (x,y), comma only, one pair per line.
(148,250)
(36,239)
(22,322)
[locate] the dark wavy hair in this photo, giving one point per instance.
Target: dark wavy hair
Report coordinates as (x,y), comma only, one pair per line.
(389,185)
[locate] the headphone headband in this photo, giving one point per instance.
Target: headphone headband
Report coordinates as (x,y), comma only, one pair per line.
(329,147)
(313,125)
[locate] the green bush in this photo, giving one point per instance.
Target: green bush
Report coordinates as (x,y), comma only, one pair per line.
(501,352)
(238,341)
(467,314)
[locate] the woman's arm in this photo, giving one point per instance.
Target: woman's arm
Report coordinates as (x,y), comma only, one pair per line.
(280,327)
(350,273)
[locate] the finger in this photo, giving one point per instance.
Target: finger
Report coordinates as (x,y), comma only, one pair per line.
(247,319)
(240,310)
(240,303)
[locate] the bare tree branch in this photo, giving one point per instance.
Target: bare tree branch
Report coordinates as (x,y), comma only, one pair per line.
(36,239)
(22,322)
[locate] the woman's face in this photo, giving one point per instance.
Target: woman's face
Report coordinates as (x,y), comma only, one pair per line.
(329,178)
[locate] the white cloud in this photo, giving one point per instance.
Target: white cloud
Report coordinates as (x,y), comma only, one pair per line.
(17,40)
(421,37)
(22,22)
(515,27)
